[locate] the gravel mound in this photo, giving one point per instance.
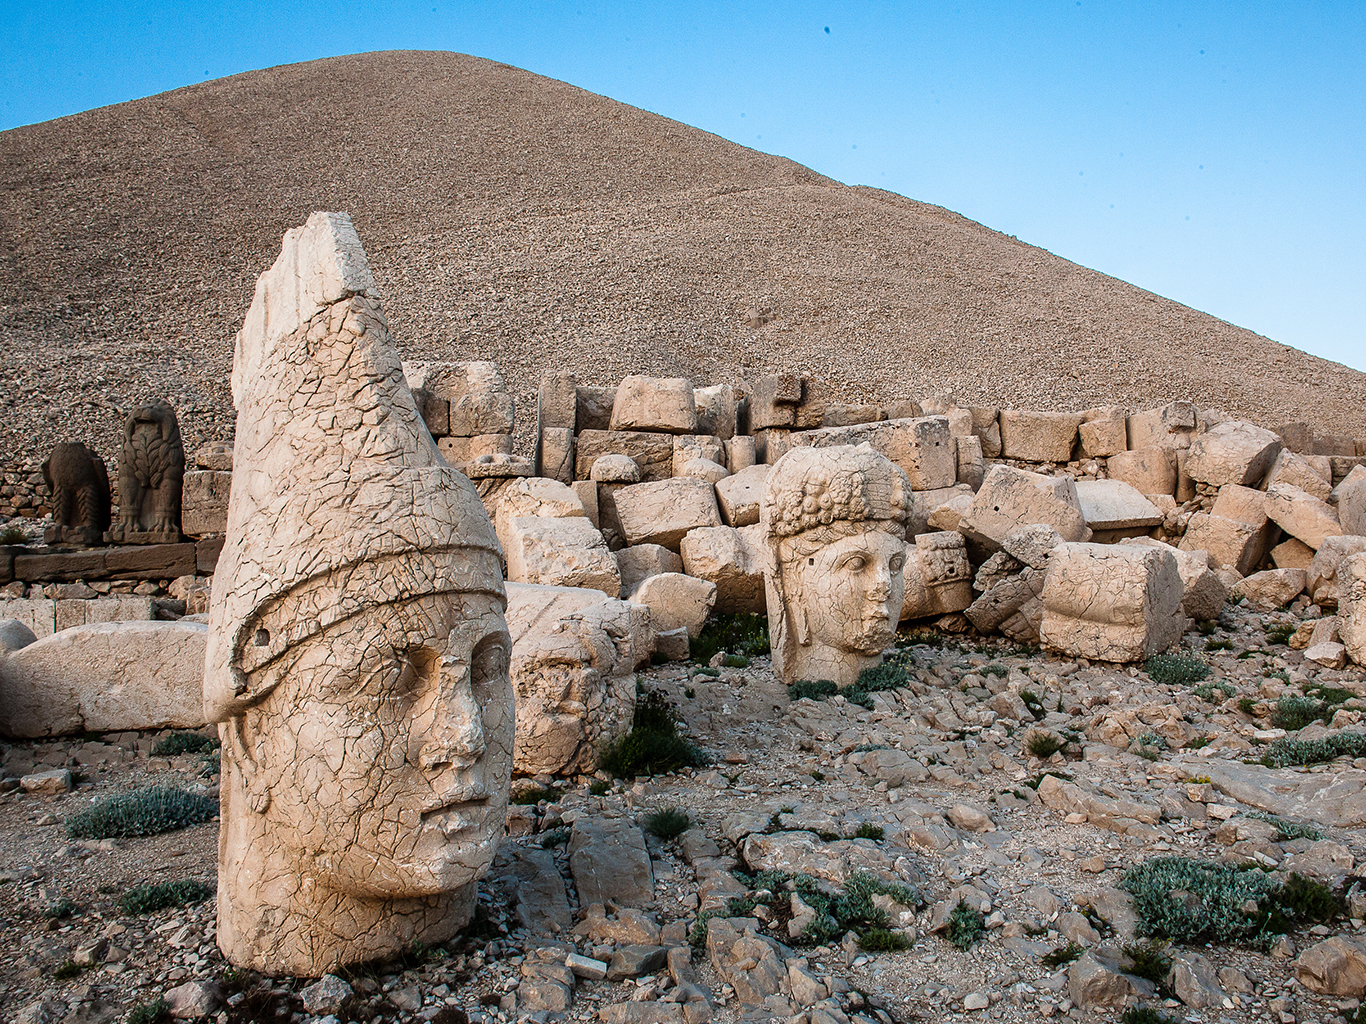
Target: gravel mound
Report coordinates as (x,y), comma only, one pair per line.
(516,218)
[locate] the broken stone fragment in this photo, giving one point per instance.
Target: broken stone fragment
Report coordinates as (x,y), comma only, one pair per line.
(1351,573)
(1232,452)
(1334,967)
(560,553)
(738,495)
(924,448)
(676,601)
(1171,426)
(1271,588)
(1010,498)
(1301,515)
(1297,471)
(1150,470)
(664,404)
(730,559)
(663,512)
(1038,436)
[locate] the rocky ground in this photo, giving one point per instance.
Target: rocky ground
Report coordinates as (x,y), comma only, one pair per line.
(1037,848)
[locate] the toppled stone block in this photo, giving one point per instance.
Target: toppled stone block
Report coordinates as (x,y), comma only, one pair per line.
(986,427)
(1031,545)
(676,601)
(204,502)
(1232,452)
(923,447)
(664,511)
(1322,582)
(1111,603)
(533,496)
(1351,572)
(1010,498)
(1295,470)
(478,400)
(614,469)
(806,853)
(1171,426)
(1271,588)
(738,495)
(555,454)
(1114,505)
(1230,542)
(732,560)
(971,465)
(213,455)
(1301,515)
(652,453)
(1103,432)
(1038,436)
(716,410)
(1292,554)
(740,453)
(773,401)
(557,401)
(688,447)
(1016,596)
(560,553)
(704,469)
(460,451)
(1334,967)
(1150,470)
(1351,499)
(925,504)
(1204,592)
(593,407)
(1096,979)
(610,863)
(641,561)
(938,576)
(105,678)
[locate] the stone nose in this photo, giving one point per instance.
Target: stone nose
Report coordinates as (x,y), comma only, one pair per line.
(456,727)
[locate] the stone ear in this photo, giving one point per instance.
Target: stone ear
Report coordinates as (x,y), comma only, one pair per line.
(253,779)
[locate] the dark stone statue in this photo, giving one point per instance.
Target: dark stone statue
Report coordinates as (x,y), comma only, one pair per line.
(80,495)
(151,473)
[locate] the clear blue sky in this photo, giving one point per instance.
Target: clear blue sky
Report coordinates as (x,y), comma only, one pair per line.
(1214,153)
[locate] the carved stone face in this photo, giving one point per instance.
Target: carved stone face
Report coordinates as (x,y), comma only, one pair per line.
(850,591)
(387,747)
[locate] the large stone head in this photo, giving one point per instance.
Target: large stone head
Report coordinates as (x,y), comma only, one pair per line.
(358,654)
(835,524)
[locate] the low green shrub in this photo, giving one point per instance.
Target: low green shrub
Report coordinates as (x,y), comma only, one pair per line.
(1207,691)
(146,899)
(966,925)
(554,837)
(813,689)
(1062,956)
(882,940)
(599,787)
(1291,712)
(1144,1015)
(1187,900)
(1287,829)
(1279,634)
(1149,959)
(184,743)
(1148,746)
(735,661)
(868,830)
(745,634)
(532,795)
(1042,744)
(996,669)
(653,746)
(667,822)
(1288,751)
(1175,669)
(60,910)
(144,812)
(153,1011)
(13,535)
(67,969)
(1218,645)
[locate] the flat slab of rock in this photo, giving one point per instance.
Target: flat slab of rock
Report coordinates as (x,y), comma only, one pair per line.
(1115,505)
(560,553)
(1336,799)
(1010,498)
(806,853)
(610,863)
(105,678)
(664,511)
(733,561)
(923,447)
(664,404)
(1232,452)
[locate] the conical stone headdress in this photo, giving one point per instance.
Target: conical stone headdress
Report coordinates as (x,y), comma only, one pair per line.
(340,500)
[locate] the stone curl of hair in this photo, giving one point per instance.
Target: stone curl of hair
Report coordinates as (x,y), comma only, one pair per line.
(831,490)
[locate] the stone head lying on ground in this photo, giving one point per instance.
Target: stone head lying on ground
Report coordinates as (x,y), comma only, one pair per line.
(835,523)
(358,652)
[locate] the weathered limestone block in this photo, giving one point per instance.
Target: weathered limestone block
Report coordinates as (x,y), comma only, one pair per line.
(435,412)
(842,414)
(653,453)
(533,496)
(557,400)
(641,561)
(104,609)
(357,656)
(740,453)
(834,522)
(1171,426)
(1295,470)
(1229,543)
(1038,436)
(732,560)
(773,401)
(615,469)
(214,455)
(1104,432)
(716,410)
(560,553)
(938,576)
(664,511)
(1271,588)
(923,448)
(986,426)
(1115,505)
(1351,499)
(1301,515)
(587,493)
(105,678)
(971,465)
(704,469)
(676,601)
(1292,554)
(1029,545)
(655,403)
(1204,592)
(1232,452)
(738,495)
(496,467)
(1005,600)
(79,483)
(555,454)
(37,614)
(1111,602)
(771,444)
(204,502)
(1334,967)
(574,653)
(460,451)
(477,399)
(1011,497)
(610,863)
(593,407)
(946,509)
(1150,470)
(151,471)
(1351,576)
(1296,437)
(697,446)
